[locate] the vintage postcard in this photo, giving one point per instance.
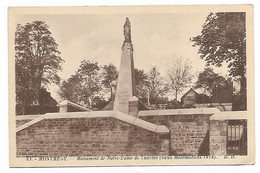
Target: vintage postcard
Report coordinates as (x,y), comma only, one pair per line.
(139,85)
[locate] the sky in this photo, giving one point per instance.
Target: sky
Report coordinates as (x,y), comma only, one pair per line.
(158,39)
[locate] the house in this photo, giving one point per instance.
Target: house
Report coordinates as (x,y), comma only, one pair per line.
(189,98)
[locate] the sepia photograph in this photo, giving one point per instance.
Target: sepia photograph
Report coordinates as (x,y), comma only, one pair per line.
(141,85)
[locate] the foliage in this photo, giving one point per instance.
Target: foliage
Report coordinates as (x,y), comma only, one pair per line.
(37,61)
(84,85)
(155,85)
(141,84)
(69,89)
(223,39)
(109,75)
(179,75)
(99,102)
(208,80)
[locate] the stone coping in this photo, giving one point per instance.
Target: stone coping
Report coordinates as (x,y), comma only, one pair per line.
(230,115)
(214,104)
(36,120)
(66,102)
(27,117)
(91,114)
(141,123)
(216,115)
(192,111)
(97,114)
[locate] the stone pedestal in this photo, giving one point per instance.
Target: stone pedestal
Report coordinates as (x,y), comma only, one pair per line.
(63,108)
(133,106)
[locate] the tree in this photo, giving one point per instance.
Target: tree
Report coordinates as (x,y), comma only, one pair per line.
(223,39)
(179,75)
(99,102)
(82,87)
(155,85)
(70,89)
(208,80)
(109,75)
(37,61)
(141,84)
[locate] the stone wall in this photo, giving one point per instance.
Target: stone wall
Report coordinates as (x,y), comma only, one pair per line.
(21,122)
(153,132)
(218,137)
(22,119)
(88,137)
(189,134)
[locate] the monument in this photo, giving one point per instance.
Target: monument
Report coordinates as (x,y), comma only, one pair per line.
(126,79)
(131,129)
